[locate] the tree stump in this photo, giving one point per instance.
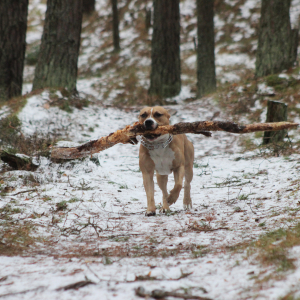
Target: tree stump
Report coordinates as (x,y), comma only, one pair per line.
(18,162)
(277,112)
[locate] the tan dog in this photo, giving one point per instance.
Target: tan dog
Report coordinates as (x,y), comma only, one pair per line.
(165,154)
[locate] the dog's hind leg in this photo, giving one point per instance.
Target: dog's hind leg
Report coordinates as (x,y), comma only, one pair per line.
(178,177)
(187,201)
(188,169)
(162,181)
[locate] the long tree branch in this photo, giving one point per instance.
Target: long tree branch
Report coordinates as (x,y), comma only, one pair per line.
(130,132)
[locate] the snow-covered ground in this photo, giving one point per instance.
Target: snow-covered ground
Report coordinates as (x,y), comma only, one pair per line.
(88,215)
(105,210)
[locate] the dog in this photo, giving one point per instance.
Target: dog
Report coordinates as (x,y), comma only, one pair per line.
(164,154)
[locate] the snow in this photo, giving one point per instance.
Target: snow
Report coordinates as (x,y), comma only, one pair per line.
(104,220)
(262,88)
(111,195)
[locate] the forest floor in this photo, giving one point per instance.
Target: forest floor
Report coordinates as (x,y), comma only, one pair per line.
(77,230)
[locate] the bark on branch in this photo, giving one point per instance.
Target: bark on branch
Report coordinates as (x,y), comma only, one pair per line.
(129,133)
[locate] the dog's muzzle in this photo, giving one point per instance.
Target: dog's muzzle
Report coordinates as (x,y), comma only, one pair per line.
(150,124)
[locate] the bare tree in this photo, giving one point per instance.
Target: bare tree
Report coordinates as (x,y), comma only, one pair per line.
(206,74)
(165,78)
(115,21)
(148,15)
(13,25)
(57,62)
(277,42)
(88,6)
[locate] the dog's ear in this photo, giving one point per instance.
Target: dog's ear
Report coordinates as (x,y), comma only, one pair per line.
(172,112)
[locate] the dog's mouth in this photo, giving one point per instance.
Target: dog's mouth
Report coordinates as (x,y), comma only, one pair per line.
(151,137)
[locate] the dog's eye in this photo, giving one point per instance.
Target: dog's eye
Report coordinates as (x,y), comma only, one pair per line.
(157,115)
(144,115)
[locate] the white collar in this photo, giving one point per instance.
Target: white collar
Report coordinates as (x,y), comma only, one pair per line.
(155,145)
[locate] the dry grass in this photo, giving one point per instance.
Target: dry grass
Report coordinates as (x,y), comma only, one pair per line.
(12,139)
(272,248)
(17,239)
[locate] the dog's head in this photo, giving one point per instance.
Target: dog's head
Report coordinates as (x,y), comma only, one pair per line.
(151,117)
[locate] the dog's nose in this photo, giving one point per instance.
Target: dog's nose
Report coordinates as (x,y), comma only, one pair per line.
(149,124)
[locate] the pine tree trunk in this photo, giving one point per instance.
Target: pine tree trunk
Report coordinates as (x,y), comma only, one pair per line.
(206,74)
(13,25)
(277,112)
(116,35)
(165,67)
(88,6)
(148,16)
(57,62)
(277,42)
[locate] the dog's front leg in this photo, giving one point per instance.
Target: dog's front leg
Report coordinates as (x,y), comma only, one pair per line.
(149,188)
(178,177)
(162,181)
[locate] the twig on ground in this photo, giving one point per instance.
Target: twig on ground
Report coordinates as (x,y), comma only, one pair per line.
(160,294)
(92,271)
(76,285)
(118,235)
(22,192)
(148,277)
(22,292)
(207,229)
(220,186)
(70,182)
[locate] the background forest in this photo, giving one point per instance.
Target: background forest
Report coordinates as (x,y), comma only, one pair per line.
(78,70)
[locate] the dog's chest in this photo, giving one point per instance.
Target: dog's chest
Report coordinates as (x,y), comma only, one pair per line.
(163,159)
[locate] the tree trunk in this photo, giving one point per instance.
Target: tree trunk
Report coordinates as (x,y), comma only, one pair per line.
(277,112)
(206,74)
(165,66)
(57,62)
(115,21)
(88,6)
(13,25)
(148,16)
(277,42)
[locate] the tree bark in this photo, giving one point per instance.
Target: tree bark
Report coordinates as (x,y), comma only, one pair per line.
(129,133)
(13,25)
(277,42)
(277,112)
(115,21)
(165,66)
(18,162)
(148,16)
(57,62)
(88,6)
(206,73)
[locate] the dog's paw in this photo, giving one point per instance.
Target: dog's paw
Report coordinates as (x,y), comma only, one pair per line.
(172,199)
(173,196)
(164,210)
(187,206)
(150,213)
